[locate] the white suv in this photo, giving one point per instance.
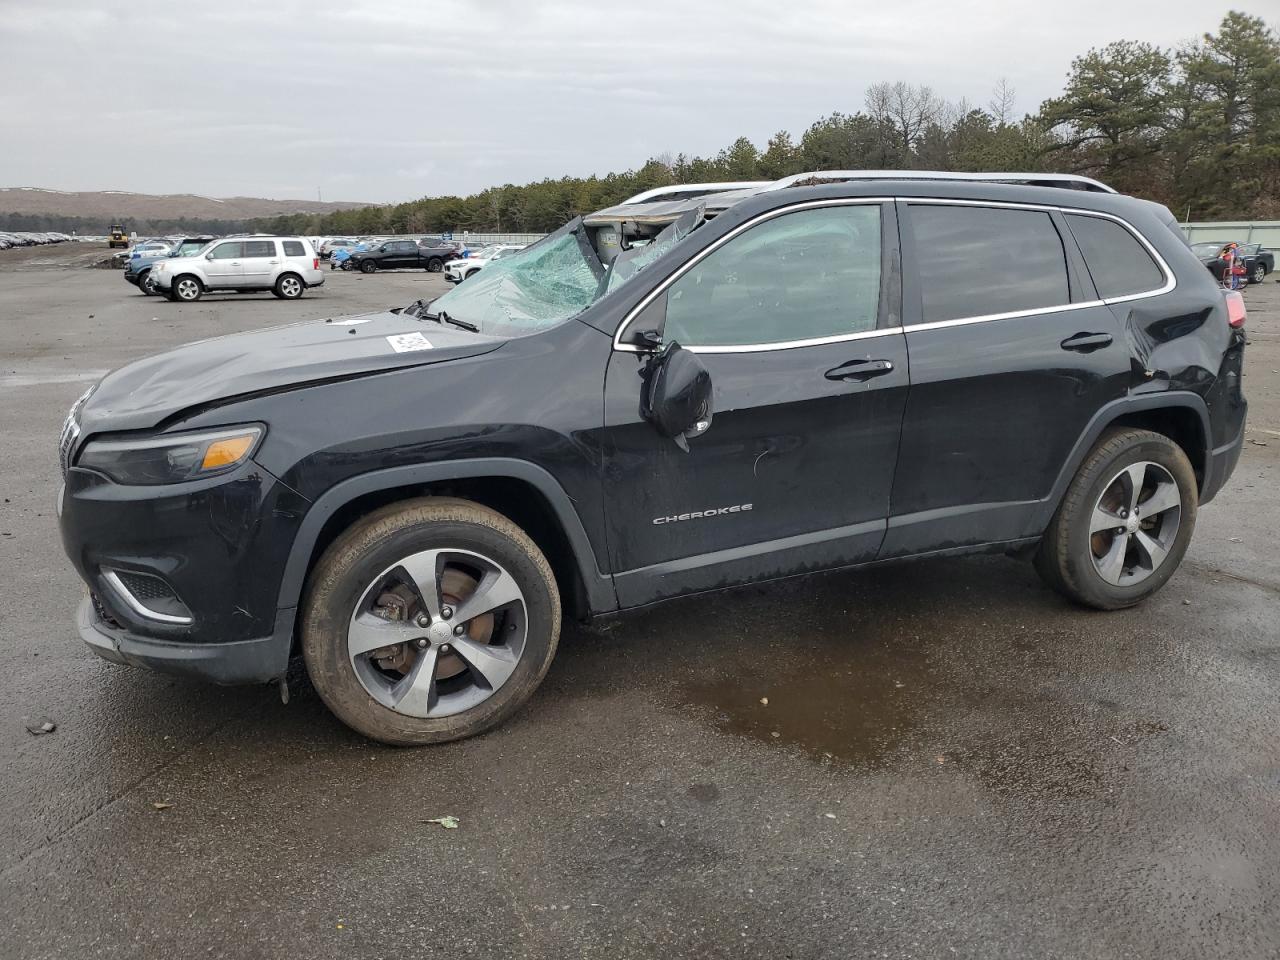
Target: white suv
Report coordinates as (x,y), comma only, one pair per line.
(284,265)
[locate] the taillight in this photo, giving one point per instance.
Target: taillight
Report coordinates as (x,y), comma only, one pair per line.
(315,263)
(1236,312)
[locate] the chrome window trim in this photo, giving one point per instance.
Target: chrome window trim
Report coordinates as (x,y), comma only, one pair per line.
(703,254)
(136,605)
(1170,280)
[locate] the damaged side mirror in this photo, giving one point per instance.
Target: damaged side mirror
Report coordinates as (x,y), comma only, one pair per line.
(676,395)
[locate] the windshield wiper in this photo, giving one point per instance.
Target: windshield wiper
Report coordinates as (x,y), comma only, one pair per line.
(443,317)
(422,308)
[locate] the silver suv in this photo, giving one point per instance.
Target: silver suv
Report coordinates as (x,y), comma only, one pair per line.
(284,265)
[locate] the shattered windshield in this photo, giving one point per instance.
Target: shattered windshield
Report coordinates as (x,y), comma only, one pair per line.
(539,286)
(531,289)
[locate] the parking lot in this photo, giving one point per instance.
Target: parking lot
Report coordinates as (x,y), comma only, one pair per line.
(938,758)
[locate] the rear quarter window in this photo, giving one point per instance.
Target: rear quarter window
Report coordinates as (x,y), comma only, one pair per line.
(1118,263)
(983,261)
(294,248)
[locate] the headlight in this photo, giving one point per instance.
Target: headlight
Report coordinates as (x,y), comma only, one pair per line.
(172,458)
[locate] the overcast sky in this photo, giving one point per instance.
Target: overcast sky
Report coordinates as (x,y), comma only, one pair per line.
(396,99)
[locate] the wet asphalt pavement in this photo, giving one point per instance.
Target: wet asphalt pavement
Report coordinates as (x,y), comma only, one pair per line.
(951,761)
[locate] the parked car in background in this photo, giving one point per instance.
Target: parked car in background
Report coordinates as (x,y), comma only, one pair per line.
(1258,260)
(455,271)
(438,252)
(138,270)
(286,266)
(333,244)
(149,248)
(396,255)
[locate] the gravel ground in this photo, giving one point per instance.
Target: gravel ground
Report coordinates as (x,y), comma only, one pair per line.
(951,762)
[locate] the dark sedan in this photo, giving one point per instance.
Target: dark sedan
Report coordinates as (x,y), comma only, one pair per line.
(1258,260)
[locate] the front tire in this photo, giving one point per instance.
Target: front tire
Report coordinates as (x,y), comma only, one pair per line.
(368,266)
(146,286)
(1124,524)
(428,621)
(1258,273)
(435,265)
(185,289)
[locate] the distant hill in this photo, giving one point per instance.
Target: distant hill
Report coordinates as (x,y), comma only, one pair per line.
(146,206)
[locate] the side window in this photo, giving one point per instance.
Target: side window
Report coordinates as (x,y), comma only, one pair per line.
(1118,263)
(260,248)
(227,251)
(978,261)
(799,276)
(294,248)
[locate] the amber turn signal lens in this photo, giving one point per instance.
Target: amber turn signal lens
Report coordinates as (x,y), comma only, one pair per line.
(223,453)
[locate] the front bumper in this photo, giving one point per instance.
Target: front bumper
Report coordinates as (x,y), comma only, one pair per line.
(244,661)
(218,546)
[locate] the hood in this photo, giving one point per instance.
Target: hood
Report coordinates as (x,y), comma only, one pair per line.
(147,392)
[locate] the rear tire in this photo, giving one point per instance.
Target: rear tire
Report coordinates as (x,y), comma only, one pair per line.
(1124,524)
(394,558)
(289,286)
(435,265)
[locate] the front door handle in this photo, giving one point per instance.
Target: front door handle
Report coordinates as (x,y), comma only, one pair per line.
(1086,342)
(860,370)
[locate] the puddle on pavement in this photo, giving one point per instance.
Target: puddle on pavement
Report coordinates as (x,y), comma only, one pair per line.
(854,705)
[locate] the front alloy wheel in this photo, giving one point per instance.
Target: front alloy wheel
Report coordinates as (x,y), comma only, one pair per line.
(187,289)
(429,621)
(1259,273)
(438,633)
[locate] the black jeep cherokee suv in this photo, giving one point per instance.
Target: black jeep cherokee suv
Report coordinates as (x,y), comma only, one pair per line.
(655,400)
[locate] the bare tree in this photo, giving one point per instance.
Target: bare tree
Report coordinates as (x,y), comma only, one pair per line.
(905,108)
(1001,104)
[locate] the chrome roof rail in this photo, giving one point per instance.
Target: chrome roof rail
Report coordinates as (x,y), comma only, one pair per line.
(693,189)
(1069,180)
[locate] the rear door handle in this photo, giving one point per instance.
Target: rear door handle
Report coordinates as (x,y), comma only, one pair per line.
(860,370)
(1086,342)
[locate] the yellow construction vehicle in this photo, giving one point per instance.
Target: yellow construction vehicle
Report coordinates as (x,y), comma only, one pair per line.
(117,237)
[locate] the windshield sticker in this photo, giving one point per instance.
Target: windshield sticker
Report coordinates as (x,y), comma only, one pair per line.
(408,342)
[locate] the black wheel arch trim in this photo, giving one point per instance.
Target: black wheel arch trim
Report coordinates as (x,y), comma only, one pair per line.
(1107,415)
(599,587)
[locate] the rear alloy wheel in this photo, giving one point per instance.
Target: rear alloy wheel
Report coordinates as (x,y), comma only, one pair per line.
(368,266)
(435,265)
(429,621)
(1125,523)
(1258,274)
(186,289)
(289,287)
